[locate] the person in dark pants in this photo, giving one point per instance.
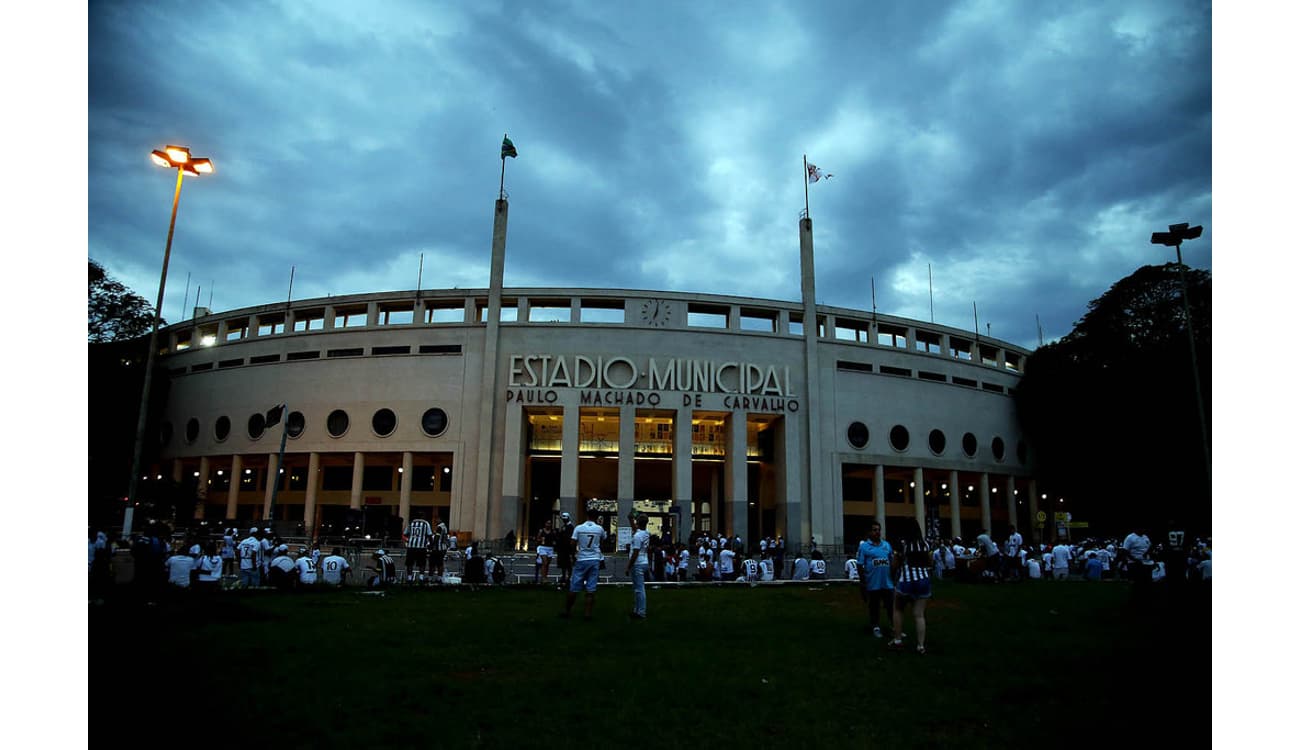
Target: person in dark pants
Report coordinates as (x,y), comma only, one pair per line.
(874,558)
(564,549)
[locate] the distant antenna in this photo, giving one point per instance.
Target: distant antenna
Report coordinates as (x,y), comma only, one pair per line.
(988,329)
(213,284)
(931,272)
(873,299)
(290,300)
(419,277)
(197,293)
(185,302)
(1040,329)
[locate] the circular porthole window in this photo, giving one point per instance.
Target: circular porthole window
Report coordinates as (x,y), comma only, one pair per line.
(384,422)
(221,430)
(337,423)
(256,425)
(858,435)
(1022,451)
(192,430)
(295,424)
(165,433)
(434,422)
(969,444)
(899,438)
(938,442)
(999,448)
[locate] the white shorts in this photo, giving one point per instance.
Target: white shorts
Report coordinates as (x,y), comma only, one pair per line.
(546,551)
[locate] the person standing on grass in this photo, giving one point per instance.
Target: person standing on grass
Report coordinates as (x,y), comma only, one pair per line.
(545,546)
(228,552)
(992,556)
(727,563)
(564,546)
(250,560)
(1061,561)
(179,566)
(418,537)
(586,568)
(799,568)
(438,548)
(913,561)
(1014,544)
(684,569)
(875,556)
(638,564)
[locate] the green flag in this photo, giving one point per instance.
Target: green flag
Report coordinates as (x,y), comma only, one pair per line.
(508,148)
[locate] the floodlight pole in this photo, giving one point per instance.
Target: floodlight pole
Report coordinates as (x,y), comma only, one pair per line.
(1174,238)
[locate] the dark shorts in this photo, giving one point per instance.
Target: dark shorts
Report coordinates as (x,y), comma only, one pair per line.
(437,556)
(416,558)
(909,590)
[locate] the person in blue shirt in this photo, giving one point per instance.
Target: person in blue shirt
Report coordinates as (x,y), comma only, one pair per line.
(1092,568)
(874,556)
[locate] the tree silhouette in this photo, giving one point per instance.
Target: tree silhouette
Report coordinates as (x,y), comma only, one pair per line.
(1110,409)
(115,313)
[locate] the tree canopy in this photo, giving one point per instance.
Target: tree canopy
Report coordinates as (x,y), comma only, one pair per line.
(1110,409)
(114,312)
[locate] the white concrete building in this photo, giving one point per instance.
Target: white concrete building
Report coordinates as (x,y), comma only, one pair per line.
(497,408)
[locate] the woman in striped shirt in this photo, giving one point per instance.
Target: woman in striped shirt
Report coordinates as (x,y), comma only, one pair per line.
(912,564)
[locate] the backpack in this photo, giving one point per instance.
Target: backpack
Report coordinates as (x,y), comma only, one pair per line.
(498,572)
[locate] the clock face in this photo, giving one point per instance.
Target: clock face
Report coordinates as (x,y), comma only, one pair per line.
(656,312)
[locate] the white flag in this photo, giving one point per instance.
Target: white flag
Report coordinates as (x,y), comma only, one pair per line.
(815,174)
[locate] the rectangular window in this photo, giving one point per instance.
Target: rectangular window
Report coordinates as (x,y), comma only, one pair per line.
(1012,361)
(887,335)
(353,352)
(202,367)
(236,330)
(959,348)
(396,316)
(349,317)
(757,320)
(994,387)
(269,326)
(440,348)
(547,313)
(263,359)
(336,478)
(853,366)
(706,316)
(930,343)
(309,320)
(935,376)
(381,350)
(444,314)
(989,356)
(901,372)
(230,363)
(796,326)
(292,356)
(964,381)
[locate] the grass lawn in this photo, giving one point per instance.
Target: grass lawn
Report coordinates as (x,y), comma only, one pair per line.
(1071,664)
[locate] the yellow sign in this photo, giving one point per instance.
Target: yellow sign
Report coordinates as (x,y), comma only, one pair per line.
(1042,517)
(1077,524)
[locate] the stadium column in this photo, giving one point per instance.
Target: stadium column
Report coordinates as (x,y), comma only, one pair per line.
(512,474)
(789,480)
(954,503)
(205,468)
(487,485)
(878,492)
(569,465)
(1011,501)
(986,515)
(626,461)
(683,490)
(236,480)
(813,463)
(918,496)
(272,476)
(736,475)
(358,471)
(309,504)
(404,493)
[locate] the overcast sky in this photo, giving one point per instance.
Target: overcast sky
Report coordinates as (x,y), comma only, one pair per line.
(1023,151)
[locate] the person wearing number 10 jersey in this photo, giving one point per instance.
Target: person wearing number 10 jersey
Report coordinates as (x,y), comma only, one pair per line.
(586,569)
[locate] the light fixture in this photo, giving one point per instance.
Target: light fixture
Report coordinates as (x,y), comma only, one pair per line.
(178,154)
(196,473)
(970,488)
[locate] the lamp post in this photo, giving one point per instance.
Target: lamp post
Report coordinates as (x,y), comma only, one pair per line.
(178,158)
(1174,238)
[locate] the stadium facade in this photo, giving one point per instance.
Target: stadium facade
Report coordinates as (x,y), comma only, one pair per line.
(499,408)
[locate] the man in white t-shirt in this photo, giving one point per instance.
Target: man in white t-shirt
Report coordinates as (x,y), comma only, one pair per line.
(799,568)
(586,540)
(178,567)
(817,568)
(752,573)
(684,568)
(334,568)
(851,568)
(1012,559)
(306,568)
(283,571)
(638,562)
(768,568)
(1136,549)
(727,564)
(1061,561)
(250,560)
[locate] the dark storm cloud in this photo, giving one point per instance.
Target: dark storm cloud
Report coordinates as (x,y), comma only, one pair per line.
(1021,153)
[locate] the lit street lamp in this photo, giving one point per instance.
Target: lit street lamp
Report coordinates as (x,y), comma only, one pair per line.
(178,158)
(1174,238)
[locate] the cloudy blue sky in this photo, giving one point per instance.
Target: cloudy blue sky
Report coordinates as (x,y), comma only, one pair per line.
(1022,151)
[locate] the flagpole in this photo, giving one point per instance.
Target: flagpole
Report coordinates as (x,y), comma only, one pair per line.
(279,461)
(502,194)
(931,272)
(805,187)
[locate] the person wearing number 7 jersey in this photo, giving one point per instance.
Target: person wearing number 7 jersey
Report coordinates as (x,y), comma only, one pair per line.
(586,568)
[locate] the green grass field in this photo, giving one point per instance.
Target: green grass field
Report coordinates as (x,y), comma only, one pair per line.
(1072,664)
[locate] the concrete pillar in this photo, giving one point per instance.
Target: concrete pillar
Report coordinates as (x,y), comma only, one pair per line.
(878,492)
(372,314)
(789,483)
(272,476)
(313,485)
(487,488)
(513,464)
(404,491)
(1034,526)
(986,515)
(358,471)
(569,465)
(626,461)
(737,478)
(918,497)
(954,503)
(236,479)
(812,399)
(683,491)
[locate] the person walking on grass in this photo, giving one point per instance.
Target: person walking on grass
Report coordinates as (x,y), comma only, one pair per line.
(586,568)
(875,555)
(912,560)
(637,564)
